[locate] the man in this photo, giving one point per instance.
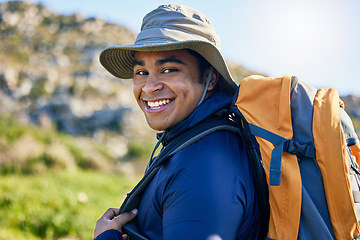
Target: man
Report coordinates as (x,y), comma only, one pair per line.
(205,191)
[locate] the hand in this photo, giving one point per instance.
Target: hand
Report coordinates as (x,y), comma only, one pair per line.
(110,220)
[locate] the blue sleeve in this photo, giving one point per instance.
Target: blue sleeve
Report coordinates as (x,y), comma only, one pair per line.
(111,234)
(211,196)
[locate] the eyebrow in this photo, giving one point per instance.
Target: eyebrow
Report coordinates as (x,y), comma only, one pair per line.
(138,62)
(158,62)
(168,60)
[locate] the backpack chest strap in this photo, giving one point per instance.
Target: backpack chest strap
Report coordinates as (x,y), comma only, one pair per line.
(282,145)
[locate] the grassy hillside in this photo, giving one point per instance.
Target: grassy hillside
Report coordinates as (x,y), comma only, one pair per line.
(57,205)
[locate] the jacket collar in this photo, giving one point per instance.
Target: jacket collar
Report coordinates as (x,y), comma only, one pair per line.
(210,106)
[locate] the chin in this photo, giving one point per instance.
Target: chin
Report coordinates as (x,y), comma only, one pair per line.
(156,127)
(158,124)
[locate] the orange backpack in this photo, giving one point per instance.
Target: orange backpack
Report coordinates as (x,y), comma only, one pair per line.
(313,193)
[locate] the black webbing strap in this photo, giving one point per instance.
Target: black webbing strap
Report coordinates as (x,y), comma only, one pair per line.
(218,123)
(182,141)
(254,155)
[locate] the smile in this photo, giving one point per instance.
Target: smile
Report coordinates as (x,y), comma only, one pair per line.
(153,105)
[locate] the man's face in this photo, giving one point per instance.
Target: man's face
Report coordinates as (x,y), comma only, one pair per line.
(166,86)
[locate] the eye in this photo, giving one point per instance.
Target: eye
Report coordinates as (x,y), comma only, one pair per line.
(141,72)
(169,70)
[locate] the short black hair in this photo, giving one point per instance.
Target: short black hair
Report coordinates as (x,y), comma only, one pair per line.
(203,63)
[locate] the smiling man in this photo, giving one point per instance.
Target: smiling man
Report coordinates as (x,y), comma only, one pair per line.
(167,86)
(180,79)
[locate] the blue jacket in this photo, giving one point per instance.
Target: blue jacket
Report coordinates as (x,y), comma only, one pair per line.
(205,191)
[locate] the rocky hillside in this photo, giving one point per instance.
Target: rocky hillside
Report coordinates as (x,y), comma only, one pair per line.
(50,76)
(51,73)
(50,68)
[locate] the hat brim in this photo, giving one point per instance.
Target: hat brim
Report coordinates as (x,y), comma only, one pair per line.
(118,60)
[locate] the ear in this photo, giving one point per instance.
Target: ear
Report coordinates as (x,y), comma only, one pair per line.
(214,78)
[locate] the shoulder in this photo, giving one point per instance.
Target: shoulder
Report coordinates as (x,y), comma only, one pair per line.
(215,171)
(223,147)
(219,155)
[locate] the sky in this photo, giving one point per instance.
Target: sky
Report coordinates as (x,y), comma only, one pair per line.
(316,40)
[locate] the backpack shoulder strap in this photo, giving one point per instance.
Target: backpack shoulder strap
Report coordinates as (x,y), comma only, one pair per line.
(179,143)
(213,124)
(253,152)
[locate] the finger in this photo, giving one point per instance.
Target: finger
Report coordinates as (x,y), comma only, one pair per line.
(111,213)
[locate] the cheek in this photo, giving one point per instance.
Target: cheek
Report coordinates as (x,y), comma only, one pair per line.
(191,94)
(137,92)
(189,99)
(136,89)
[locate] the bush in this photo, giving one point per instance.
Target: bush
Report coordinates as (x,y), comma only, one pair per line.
(30,149)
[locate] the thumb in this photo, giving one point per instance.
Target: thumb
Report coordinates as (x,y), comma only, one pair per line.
(124,218)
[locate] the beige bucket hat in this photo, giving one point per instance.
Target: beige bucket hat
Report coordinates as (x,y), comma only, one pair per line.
(170,27)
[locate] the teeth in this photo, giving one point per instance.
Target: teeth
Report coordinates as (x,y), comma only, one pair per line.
(158,103)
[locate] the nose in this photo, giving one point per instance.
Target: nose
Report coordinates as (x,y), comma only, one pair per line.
(152,84)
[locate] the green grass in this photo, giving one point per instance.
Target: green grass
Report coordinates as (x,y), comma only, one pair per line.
(50,206)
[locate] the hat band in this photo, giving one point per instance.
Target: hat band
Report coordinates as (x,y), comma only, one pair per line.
(160,36)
